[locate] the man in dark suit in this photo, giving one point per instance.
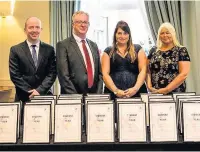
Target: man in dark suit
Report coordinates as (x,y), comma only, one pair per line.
(32,63)
(78,60)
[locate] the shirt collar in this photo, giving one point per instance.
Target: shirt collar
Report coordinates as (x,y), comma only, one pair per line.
(78,39)
(29,43)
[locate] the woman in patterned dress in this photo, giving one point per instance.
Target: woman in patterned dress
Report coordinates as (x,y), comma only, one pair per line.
(124,65)
(168,63)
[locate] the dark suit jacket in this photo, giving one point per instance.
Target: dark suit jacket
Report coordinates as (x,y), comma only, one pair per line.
(25,75)
(72,72)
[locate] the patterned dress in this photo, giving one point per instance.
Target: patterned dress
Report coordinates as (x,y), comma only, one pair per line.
(164,67)
(124,73)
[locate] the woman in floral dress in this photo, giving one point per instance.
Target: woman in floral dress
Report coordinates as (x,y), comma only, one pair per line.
(168,63)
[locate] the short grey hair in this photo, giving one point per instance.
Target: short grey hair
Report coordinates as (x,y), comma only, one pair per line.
(78,13)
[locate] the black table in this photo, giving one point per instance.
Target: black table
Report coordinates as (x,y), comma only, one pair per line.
(116,146)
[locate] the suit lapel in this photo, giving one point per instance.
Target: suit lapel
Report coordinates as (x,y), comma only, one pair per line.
(40,54)
(76,48)
(28,53)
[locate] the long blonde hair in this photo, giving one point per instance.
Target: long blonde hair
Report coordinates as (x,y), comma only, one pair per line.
(172,31)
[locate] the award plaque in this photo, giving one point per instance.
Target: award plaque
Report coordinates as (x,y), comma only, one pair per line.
(68,126)
(163,122)
(191,121)
(132,122)
(8,123)
(19,114)
(37,123)
(100,122)
(37,101)
(145,99)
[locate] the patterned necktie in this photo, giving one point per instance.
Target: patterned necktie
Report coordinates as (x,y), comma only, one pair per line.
(89,65)
(34,55)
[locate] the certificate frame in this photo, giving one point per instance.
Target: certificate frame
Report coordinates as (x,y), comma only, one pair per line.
(145,99)
(17,122)
(93,102)
(52,108)
(160,97)
(112,121)
(81,126)
(175,94)
(145,122)
(45,97)
(136,100)
(176,129)
(49,125)
(71,95)
(183,120)
(105,95)
(179,100)
(180,114)
(161,100)
(68,101)
(19,114)
(70,98)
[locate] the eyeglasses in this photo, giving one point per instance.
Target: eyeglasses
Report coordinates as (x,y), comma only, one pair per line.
(82,22)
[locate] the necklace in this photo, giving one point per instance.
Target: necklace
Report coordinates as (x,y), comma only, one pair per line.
(122,53)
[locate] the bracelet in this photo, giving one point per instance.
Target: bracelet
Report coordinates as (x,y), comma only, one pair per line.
(135,88)
(116,91)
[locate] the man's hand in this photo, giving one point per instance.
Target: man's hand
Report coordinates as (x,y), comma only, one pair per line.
(33,93)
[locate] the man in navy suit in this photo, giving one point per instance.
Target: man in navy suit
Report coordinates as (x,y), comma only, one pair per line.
(32,63)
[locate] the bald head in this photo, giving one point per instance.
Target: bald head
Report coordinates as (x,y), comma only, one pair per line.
(32,29)
(32,19)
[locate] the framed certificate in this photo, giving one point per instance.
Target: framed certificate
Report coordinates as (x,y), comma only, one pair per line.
(8,123)
(163,122)
(71,95)
(68,126)
(160,97)
(52,109)
(161,100)
(175,94)
(70,98)
(179,99)
(100,122)
(124,100)
(128,99)
(145,99)
(68,101)
(191,121)
(19,114)
(179,112)
(89,95)
(132,122)
(45,97)
(37,122)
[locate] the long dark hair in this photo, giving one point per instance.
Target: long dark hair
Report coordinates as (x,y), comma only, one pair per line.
(130,47)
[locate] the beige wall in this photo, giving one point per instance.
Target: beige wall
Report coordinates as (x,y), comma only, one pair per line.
(11,32)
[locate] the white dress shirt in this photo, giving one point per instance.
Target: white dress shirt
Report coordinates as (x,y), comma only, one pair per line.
(78,41)
(36,47)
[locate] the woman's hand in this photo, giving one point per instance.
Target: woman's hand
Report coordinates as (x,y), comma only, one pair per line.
(130,92)
(120,93)
(162,91)
(152,89)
